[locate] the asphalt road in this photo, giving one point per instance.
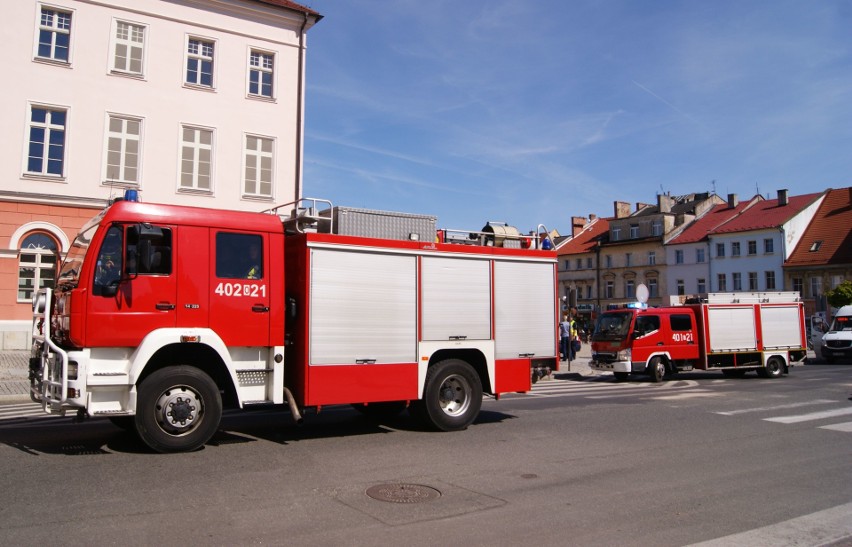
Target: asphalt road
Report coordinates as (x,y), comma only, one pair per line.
(577,462)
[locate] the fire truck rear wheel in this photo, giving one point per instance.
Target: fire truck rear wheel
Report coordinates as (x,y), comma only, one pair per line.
(179,409)
(452,396)
(657,369)
(774,368)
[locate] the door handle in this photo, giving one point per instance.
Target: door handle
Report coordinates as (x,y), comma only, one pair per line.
(260,308)
(165,306)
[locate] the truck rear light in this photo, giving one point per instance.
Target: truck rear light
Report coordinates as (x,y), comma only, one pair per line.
(190,338)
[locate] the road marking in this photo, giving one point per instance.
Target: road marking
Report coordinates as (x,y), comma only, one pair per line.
(689,395)
(811,416)
(845,427)
(777,407)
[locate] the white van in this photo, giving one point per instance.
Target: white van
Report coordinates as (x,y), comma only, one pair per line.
(837,342)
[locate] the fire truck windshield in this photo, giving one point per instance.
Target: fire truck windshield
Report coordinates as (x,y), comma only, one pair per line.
(612,326)
(69,274)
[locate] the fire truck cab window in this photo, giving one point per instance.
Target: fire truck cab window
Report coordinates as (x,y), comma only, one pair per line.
(681,322)
(153,251)
(239,256)
(108,268)
(646,324)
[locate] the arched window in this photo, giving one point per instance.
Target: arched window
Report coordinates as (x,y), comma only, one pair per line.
(37,264)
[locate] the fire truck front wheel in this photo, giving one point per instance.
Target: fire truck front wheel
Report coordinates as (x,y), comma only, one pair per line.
(452,396)
(179,409)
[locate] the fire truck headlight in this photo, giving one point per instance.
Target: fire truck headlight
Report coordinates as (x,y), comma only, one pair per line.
(72,370)
(624,355)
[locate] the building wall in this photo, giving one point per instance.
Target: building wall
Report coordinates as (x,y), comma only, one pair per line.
(690,271)
(760,262)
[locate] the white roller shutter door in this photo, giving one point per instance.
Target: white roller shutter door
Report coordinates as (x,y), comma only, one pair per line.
(780,326)
(525,300)
(456,297)
(732,329)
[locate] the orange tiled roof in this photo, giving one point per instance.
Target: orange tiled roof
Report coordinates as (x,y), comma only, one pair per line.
(767,214)
(829,234)
(717,216)
(586,240)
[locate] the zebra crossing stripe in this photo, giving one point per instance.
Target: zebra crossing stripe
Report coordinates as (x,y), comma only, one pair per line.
(811,416)
(844,427)
(777,407)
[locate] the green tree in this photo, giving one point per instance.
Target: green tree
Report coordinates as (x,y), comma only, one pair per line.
(840,295)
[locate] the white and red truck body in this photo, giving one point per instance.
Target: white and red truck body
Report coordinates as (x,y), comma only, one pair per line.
(322,319)
(731,332)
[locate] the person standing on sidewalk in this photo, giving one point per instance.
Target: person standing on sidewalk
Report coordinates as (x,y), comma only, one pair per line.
(564,338)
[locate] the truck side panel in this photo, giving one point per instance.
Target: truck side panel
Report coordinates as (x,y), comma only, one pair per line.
(731,328)
(781,326)
(455,298)
(525,314)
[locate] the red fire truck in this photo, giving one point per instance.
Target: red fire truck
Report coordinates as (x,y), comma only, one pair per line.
(731,332)
(164,315)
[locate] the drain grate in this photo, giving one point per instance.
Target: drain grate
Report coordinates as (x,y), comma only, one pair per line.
(403,493)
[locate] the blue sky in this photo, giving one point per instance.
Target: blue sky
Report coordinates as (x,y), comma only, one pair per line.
(533,111)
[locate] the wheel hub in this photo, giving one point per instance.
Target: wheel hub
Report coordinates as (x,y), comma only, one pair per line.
(178,410)
(455,395)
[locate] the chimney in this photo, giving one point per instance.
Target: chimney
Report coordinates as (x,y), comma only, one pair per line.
(621,209)
(577,224)
(664,203)
(782,198)
(640,206)
(593,216)
(733,201)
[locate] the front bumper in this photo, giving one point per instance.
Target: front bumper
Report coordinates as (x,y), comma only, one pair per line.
(613,366)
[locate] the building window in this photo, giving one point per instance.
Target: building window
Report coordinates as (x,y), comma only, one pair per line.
(258,172)
(609,261)
(652,258)
(770,280)
(588,292)
(199,62)
(589,262)
(46,150)
(752,248)
(738,281)
(610,289)
(798,285)
(720,250)
(679,257)
(752,281)
(722,281)
(54,35)
(653,289)
(699,257)
(628,259)
(36,265)
(735,248)
(634,231)
(128,48)
(816,287)
(122,155)
(702,285)
(567,264)
(768,246)
(815,246)
(629,287)
(196,158)
(579,263)
(261,66)
(681,289)
(657,228)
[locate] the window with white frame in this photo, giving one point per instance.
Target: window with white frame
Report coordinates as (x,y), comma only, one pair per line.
(128,48)
(737,280)
(196,158)
(36,265)
(258,167)
(702,285)
(608,261)
(261,71)
(735,248)
(616,233)
(46,147)
(199,62)
(610,289)
(681,288)
(752,248)
(720,250)
(579,263)
(653,288)
(634,231)
(628,259)
(123,149)
(770,280)
(629,288)
(588,292)
(589,262)
(798,285)
(657,228)
(752,281)
(679,257)
(722,282)
(699,257)
(54,34)
(652,258)
(816,287)
(768,246)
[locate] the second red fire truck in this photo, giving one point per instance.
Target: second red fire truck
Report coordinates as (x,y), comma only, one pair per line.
(731,332)
(164,315)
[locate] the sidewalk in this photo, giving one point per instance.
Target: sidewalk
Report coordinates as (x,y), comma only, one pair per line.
(14,370)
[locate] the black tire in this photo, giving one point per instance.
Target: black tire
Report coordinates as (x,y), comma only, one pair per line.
(621,376)
(178,409)
(774,368)
(733,373)
(657,370)
(381,411)
(452,396)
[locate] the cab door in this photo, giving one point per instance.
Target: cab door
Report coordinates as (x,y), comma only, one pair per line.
(240,290)
(134,288)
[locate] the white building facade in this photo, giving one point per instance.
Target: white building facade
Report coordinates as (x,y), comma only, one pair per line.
(190,102)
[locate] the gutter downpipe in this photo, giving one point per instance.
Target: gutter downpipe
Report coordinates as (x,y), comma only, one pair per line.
(300,105)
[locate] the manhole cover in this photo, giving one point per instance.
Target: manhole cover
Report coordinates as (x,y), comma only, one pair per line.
(403,493)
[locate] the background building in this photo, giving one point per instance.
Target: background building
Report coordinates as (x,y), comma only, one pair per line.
(191,102)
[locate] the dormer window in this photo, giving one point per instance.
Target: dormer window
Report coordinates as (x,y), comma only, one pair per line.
(816,245)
